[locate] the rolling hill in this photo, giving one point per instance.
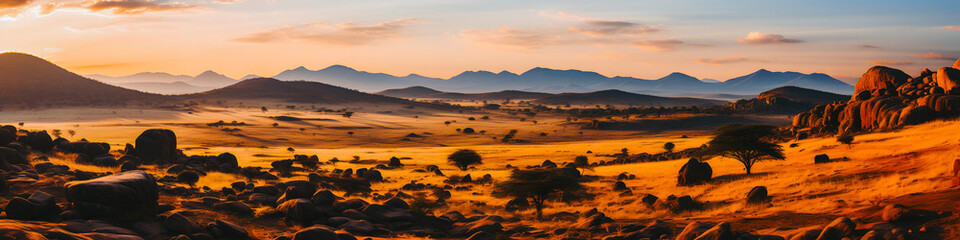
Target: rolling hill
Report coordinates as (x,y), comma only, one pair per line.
(29,81)
(798,94)
(617,97)
(295,91)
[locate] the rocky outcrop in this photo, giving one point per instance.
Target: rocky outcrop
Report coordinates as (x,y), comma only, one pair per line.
(887,98)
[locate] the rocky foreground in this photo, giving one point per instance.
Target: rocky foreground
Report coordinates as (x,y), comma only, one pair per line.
(153,197)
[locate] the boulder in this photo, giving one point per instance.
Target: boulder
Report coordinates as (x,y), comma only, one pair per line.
(838,229)
(231,230)
(719,232)
(7,137)
(694,172)
(124,196)
(316,232)
(323,198)
(821,158)
(156,145)
(948,78)
(359,227)
(394,162)
(299,209)
(38,141)
(895,213)
(757,195)
(693,230)
(38,206)
(880,77)
(912,115)
(178,223)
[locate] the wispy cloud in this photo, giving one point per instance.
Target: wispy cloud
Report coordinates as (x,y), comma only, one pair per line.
(348,33)
(767,38)
(509,36)
(668,44)
(725,60)
(868,46)
(933,55)
(600,27)
(135,6)
(952,27)
(891,63)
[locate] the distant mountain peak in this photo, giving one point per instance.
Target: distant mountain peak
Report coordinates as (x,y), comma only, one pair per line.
(301,68)
(338,67)
(209,73)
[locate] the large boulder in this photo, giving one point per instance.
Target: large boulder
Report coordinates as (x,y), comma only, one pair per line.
(125,196)
(948,78)
(316,232)
(7,137)
(39,141)
(838,229)
(38,206)
(757,195)
(156,145)
(880,77)
(694,172)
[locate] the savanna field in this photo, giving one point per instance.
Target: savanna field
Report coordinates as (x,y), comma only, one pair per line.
(479,120)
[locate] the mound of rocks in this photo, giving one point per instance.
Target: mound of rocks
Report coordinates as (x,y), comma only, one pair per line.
(887,98)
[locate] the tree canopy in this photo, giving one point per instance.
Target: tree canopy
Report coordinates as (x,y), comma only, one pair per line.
(539,185)
(463,158)
(748,144)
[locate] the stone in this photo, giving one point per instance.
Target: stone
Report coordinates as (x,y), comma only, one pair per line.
(359,227)
(179,223)
(316,232)
(880,77)
(757,195)
(231,230)
(821,158)
(838,229)
(895,213)
(156,145)
(693,230)
(948,78)
(694,172)
(719,232)
(126,196)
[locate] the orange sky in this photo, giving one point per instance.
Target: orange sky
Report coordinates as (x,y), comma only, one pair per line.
(645,39)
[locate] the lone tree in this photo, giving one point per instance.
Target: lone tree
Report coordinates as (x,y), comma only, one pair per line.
(669,146)
(463,158)
(582,162)
(845,139)
(748,144)
(538,185)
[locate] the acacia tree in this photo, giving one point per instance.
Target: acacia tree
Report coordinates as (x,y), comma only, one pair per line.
(845,139)
(538,185)
(463,158)
(582,162)
(669,146)
(748,144)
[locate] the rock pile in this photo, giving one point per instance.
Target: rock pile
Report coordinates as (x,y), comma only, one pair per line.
(887,98)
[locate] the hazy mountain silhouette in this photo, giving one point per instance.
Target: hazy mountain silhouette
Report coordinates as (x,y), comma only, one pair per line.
(617,97)
(211,79)
(177,87)
(31,81)
(157,77)
(420,92)
(557,81)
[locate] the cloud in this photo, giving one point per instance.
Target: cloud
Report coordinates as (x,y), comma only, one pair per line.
(134,6)
(509,36)
(932,55)
(668,44)
(13,3)
(726,60)
(868,46)
(952,27)
(599,27)
(891,63)
(767,38)
(332,33)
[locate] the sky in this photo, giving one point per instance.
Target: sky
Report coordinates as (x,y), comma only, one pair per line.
(441,38)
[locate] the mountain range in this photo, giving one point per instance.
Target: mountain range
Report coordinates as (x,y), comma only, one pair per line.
(560,81)
(605,97)
(165,83)
(534,80)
